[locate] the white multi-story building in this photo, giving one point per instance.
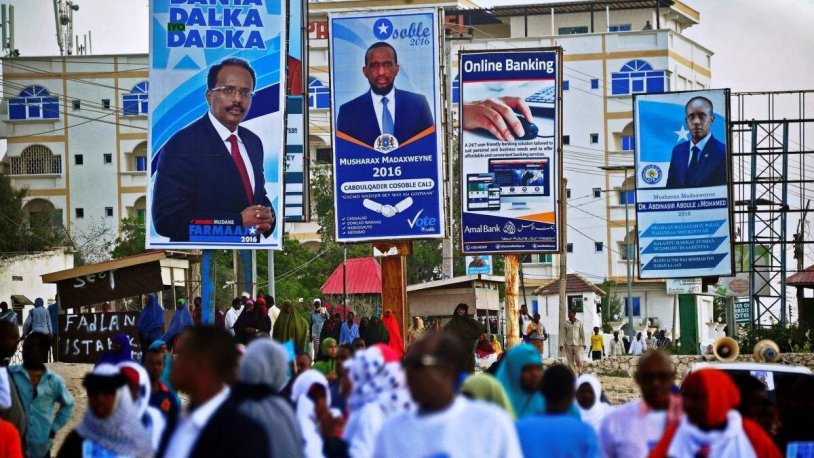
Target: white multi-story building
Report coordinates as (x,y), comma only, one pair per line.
(76,130)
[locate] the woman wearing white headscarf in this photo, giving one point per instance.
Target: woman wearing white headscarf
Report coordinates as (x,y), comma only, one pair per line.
(262,374)
(591,409)
(111,425)
(379,392)
(139,383)
(310,392)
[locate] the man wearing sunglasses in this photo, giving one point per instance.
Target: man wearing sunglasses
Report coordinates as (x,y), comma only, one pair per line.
(212,170)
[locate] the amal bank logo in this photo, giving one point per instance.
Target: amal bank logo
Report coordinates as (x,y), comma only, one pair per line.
(651,174)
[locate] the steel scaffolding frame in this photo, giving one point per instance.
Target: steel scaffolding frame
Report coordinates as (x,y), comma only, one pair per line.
(773,179)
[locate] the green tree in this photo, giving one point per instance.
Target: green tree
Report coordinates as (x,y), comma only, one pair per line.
(611,304)
(131,238)
(20,232)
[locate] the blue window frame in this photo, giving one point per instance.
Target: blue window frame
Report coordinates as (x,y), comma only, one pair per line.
(627,196)
(595,83)
(566,85)
(619,28)
(637,308)
(628,143)
(34,102)
(135,102)
(319,95)
(141,163)
(637,77)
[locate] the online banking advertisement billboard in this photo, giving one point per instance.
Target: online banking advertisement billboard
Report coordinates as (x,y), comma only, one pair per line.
(216,147)
(683,191)
(385,94)
(509,143)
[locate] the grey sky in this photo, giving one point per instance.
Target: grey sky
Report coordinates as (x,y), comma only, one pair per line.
(758,44)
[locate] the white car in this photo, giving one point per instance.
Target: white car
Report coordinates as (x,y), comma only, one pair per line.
(768,373)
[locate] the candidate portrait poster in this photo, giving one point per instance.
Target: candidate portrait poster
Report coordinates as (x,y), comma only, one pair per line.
(217,92)
(385,98)
(683,197)
(510,161)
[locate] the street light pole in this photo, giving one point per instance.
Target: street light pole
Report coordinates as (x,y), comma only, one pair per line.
(629,266)
(628,260)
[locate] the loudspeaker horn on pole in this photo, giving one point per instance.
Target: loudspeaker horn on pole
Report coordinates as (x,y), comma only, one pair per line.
(725,349)
(766,351)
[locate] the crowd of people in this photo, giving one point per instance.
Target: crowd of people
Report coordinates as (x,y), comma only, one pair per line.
(254,389)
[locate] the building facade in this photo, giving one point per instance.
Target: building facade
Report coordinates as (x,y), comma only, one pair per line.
(76,131)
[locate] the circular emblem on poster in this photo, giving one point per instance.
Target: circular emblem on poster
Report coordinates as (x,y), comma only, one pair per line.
(651,174)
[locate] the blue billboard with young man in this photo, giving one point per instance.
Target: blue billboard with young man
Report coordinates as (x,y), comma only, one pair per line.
(217,89)
(387,137)
(683,197)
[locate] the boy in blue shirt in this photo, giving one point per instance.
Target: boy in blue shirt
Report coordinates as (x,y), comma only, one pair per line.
(557,433)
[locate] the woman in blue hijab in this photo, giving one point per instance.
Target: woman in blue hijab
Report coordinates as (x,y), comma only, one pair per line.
(520,373)
(151,322)
(181,320)
(120,351)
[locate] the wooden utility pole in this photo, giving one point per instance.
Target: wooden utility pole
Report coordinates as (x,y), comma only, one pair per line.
(394,281)
(512,275)
(563,262)
(803,309)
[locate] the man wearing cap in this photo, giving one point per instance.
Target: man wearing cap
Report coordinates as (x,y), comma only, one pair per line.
(316,319)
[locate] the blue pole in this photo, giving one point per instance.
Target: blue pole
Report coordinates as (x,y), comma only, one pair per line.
(208,287)
(244,274)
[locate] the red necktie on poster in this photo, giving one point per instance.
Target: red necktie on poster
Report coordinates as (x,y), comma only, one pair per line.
(241,168)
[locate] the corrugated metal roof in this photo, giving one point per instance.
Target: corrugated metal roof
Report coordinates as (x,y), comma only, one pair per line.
(455,282)
(577,7)
(362,276)
(574,283)
(804,278)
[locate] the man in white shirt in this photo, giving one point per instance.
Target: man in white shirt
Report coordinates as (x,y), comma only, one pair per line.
(633,429)
(445,423)
(205,363)
(232,314)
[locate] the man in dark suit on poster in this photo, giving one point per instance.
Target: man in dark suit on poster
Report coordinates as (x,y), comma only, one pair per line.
(213,168)
(384,109)
(700,161)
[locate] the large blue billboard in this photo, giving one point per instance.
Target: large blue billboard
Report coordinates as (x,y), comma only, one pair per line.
(683,199)
(387,137)
(510,154)
(217,89)
(296,174)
